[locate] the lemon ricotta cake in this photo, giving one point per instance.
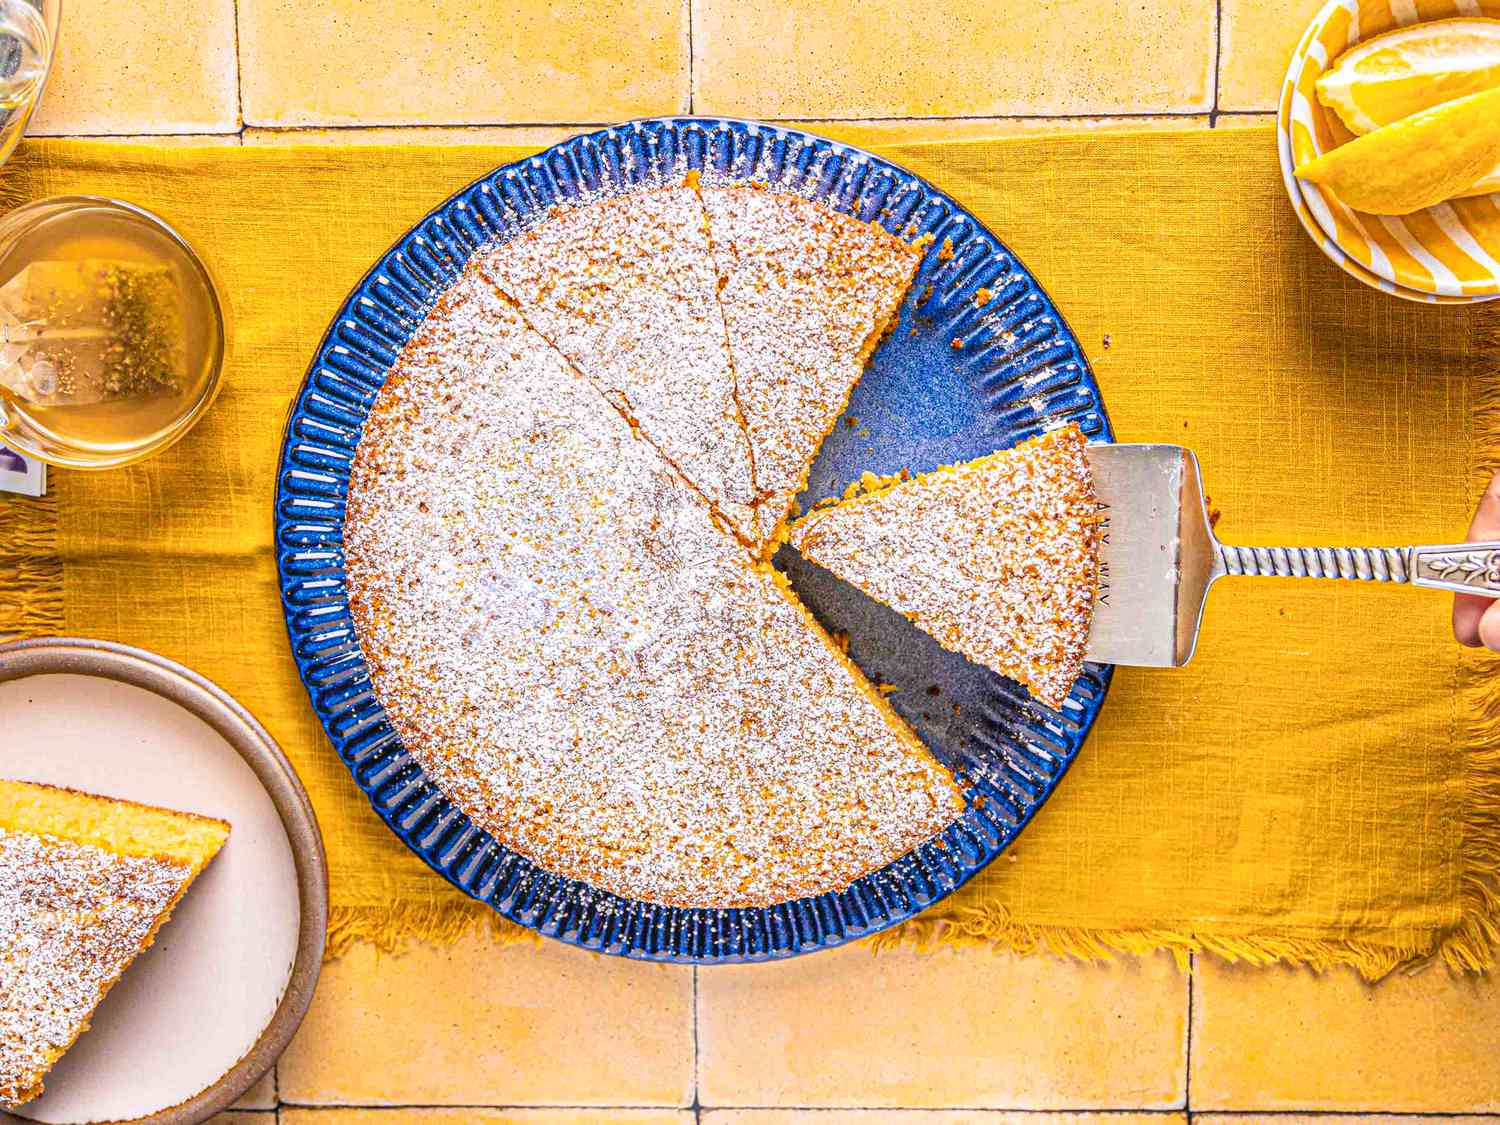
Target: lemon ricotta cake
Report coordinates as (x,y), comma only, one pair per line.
(625,288)
(85,884)
(807,295)
(584,660)
(996,558)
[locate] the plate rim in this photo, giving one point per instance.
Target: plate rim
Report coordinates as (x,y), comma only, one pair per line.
(200,696)
(1101,674)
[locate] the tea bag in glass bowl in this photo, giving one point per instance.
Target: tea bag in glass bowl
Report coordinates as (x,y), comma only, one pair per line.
(90,330)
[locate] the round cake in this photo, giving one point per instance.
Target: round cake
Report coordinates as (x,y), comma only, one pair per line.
(558,528)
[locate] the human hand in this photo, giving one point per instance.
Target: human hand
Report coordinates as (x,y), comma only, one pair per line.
(1476,621)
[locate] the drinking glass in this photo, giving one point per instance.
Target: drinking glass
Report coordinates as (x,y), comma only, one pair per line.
(28,39)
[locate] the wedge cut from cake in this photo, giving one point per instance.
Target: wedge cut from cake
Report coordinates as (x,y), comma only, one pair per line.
(85,884)
(625,289)
(998,559)
(807,294)
(585,663)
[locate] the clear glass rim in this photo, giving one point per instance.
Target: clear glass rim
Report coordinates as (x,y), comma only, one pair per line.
(215,362)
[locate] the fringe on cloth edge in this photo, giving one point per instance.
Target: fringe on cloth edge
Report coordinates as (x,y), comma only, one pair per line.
(391,928)
(31,570)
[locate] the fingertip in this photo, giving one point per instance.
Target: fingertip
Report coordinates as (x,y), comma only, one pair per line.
(1486,522)
(1467,611)
(1489,627)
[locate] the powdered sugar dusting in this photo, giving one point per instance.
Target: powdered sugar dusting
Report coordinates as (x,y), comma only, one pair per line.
(589,666)
(625,288)
(72,919)
(998,558)
(806,294)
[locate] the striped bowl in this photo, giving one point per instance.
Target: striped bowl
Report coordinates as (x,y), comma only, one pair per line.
(1448,254)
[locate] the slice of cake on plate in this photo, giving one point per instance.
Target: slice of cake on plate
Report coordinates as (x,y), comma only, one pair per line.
(590,668)
(85,884)
(998,559)
(625,289)
(807,293)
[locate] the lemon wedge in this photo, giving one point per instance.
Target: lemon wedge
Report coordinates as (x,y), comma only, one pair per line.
(1382,80)
(1420,160)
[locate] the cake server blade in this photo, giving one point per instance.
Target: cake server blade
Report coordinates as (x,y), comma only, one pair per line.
(1159,557)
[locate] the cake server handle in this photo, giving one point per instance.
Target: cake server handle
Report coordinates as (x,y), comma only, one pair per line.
(1465,568)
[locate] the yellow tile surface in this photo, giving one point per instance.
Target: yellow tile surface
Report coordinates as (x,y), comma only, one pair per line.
(470,1116)
(932,1117)
(895,131)
(1258,40)
(142,68)
(1273,1039)
(478,1023)
(539,135)
(873,132)
(949,1028)
(883,58)
(262,1095)
(390,62)
(1342,1119)
(1246,121)
(175,140)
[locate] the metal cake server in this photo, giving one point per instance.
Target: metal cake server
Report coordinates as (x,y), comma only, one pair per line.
(1159,556)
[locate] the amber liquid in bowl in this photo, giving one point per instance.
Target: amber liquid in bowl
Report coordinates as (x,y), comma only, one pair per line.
(111,333)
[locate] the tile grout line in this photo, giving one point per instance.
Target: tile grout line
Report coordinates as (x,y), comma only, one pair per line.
(692,79)
(1038,1113)
(396,1107)
(239,83)
(1213,114)
(1187,1080)
(292,130)
(1352,1115)
(936,119)
(697,1093)
(1251,1115)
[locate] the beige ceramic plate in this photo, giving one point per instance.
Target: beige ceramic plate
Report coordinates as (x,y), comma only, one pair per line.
(206,1011)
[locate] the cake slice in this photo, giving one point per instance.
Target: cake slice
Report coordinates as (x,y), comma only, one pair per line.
(584,663)
(625,289)
(998,559)
(85,883)
(807,294)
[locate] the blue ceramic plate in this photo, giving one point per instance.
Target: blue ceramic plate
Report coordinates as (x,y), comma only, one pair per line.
(923,402)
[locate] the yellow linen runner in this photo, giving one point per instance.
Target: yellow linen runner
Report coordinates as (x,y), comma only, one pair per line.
(1320,784)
